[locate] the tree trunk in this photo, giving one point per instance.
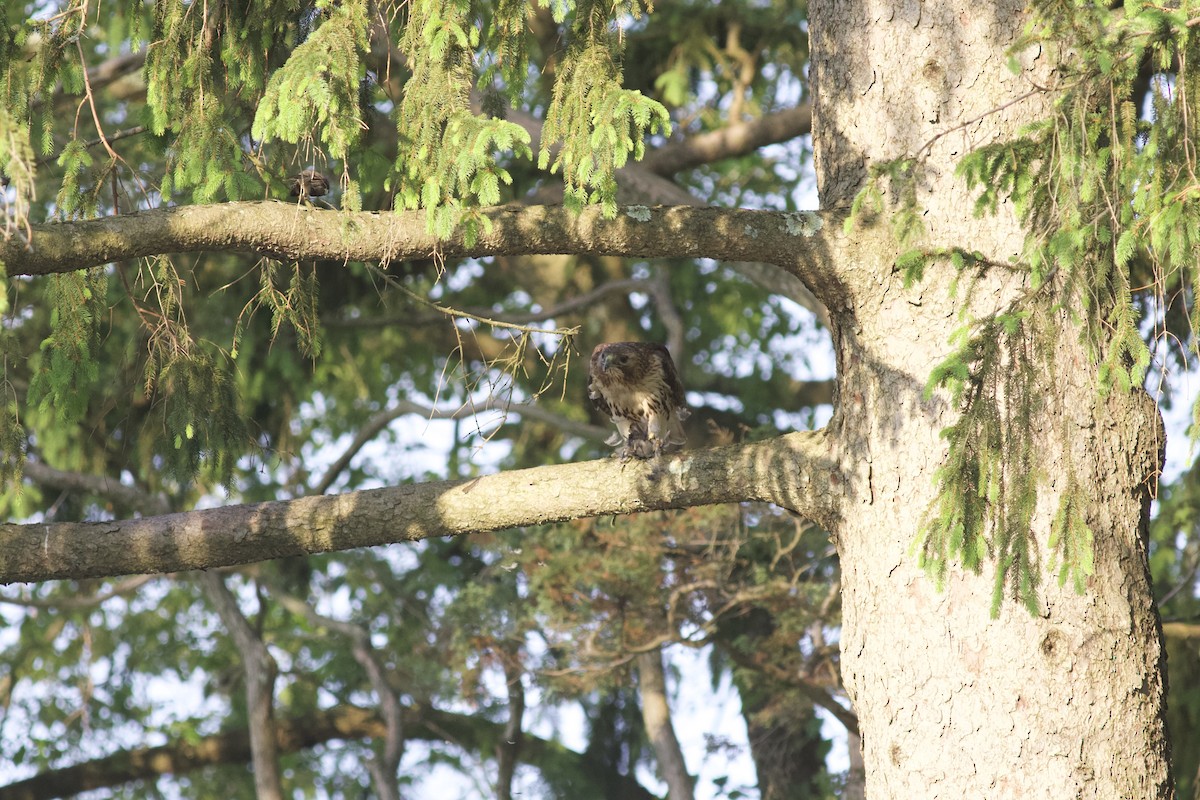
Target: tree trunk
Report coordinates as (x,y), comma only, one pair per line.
(950,702)
(509,747)
(782,727)
(260,670)
(656,716)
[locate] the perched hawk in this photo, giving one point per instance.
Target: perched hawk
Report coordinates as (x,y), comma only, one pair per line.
(635,384)
(309,183)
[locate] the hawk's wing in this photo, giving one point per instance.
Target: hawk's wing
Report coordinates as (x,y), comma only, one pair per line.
(674,399)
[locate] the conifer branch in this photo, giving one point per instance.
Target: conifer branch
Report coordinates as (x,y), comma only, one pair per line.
(91,103)
(103,75)
(115,136)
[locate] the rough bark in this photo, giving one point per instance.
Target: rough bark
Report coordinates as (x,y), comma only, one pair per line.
(794,471)
(293,232)
(951,703)
(656,716)
(811,244)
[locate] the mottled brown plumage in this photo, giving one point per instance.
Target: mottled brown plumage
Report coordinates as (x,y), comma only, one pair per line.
(308,183)
(636,385)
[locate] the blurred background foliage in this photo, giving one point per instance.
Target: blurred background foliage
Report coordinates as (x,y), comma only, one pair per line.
(186,381)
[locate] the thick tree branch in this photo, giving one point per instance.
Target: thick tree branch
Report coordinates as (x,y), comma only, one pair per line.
(812,245)
(797,471)
(346,722)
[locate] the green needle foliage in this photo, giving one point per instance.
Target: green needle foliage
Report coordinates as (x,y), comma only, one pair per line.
(1111,202)
(598,123)
(987,488)
(1110,197)
(236,92)
(68,367)
(315,94)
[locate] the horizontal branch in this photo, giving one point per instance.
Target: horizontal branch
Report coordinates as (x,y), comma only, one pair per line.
(735,139)
(129,496)
(795,471)
(811,245)
(345,722)
(414,319)
(1181,630)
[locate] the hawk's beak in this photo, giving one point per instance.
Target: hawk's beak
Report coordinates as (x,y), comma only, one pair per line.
(605,361)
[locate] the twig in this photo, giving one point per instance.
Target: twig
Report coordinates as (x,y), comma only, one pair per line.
(91,101)
(114,137)
(63,603)
(973,120)
(458,314)
(516,318)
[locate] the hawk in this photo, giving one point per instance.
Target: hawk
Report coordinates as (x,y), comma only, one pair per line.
(635,383)
(308,183)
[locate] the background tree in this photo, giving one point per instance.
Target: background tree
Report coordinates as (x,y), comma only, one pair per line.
(152,366)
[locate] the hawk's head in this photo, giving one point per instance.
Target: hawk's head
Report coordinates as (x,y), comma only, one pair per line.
(636,385)
(618,361)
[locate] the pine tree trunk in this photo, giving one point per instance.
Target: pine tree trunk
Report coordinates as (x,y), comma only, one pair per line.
(952,703)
